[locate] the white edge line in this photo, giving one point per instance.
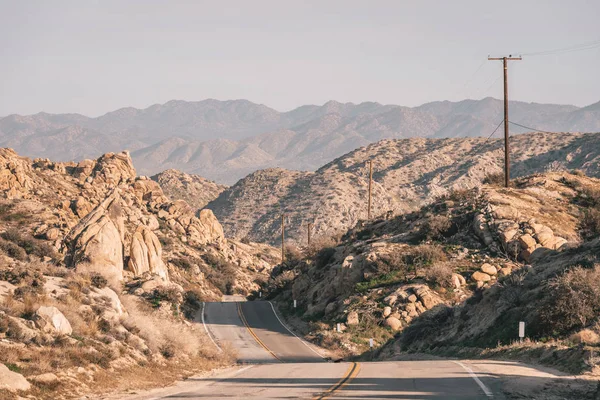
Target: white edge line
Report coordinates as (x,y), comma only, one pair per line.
(485,389)
(290,331)
(206,329)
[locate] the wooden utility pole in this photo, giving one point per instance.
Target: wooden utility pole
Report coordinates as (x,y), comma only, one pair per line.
(370,185)
(309,226)
(506,149)
(282,238)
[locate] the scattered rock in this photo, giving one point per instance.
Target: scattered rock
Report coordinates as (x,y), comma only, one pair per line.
(489,269)
(50,319)
(393,323)
(481,277)
(12,381)
(387,311)
(352,318)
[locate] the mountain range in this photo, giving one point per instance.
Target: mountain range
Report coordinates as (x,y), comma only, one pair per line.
(226,140)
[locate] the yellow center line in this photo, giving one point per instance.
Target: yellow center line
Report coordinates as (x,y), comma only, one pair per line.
(243,318)
(350,374)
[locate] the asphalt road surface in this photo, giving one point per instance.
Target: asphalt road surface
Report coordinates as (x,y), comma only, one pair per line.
(275,364)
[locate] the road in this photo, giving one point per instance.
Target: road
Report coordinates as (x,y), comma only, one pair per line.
(275,364)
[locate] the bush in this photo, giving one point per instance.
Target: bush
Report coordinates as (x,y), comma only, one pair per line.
(573,300)
(391,262)
(292,254)
(324,256)
(98,280)
(494,179)
(590,224)
(435,227)
(29,244)
(440,274)
(426,254)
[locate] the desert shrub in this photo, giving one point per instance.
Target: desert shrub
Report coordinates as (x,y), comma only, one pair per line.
(590,223)
(324,256)
(168,294)
(182,263)
(166,242)
(29,244)
(293,255)
(12,250)
(588,197)
(245,240)
(320,243)
(26,276)
(426,254)
(435,227)
(494,179)
(573,300)
(98,280)
(390,262)
(578,172)
(555,166)
(440,274)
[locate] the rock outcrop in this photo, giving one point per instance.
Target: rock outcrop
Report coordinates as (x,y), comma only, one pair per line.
(96,243)
(145,254)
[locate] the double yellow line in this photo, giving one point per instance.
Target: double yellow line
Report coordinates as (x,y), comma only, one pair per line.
(351,372)
(243,318)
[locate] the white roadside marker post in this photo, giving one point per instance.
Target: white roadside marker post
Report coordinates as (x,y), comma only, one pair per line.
(295,304)
(339,328)
(259,295)
(521,331)
(371,343)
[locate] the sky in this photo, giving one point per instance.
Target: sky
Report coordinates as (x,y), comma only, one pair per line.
(91,57)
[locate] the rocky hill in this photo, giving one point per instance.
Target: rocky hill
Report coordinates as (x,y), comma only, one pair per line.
(407,174)
(193,189)
(456,277)
(226,140)
(100,272)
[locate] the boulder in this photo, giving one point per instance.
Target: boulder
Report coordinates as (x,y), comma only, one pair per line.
(145,254)
(393,323)
(95,244)
(81,207)
(50,319)
(352,318)
(479,276)
(505,271)
(12,381)
(458,281)
(387,311)
(114,168)
(488,269)
(44,379)
(411,309)
(391,299)
(52,234)
(15,174)
(427,298)
(412,298)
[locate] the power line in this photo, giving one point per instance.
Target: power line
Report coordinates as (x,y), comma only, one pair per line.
(488,138)
(530,128)
(579,47)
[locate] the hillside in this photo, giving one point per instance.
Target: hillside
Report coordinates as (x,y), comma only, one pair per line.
(454,278)
(193,189)
(226,140)
(101,274)
(407,174)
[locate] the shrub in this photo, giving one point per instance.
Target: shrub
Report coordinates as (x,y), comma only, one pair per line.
(98,280)
(29,244)
(245,240)
(391,262)
(590,224)
(426,254)
(440,274)
(494,179)
(573,300)
(12,250)
(324,256)
(435,227)
(292,254)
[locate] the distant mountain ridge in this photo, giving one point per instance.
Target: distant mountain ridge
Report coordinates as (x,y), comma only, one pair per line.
(225,140)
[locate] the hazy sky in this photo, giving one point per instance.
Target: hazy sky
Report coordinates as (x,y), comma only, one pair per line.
(92,57)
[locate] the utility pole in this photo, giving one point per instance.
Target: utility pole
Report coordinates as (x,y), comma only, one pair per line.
(282,238)
(309,226)
(506,150)
(370,185)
